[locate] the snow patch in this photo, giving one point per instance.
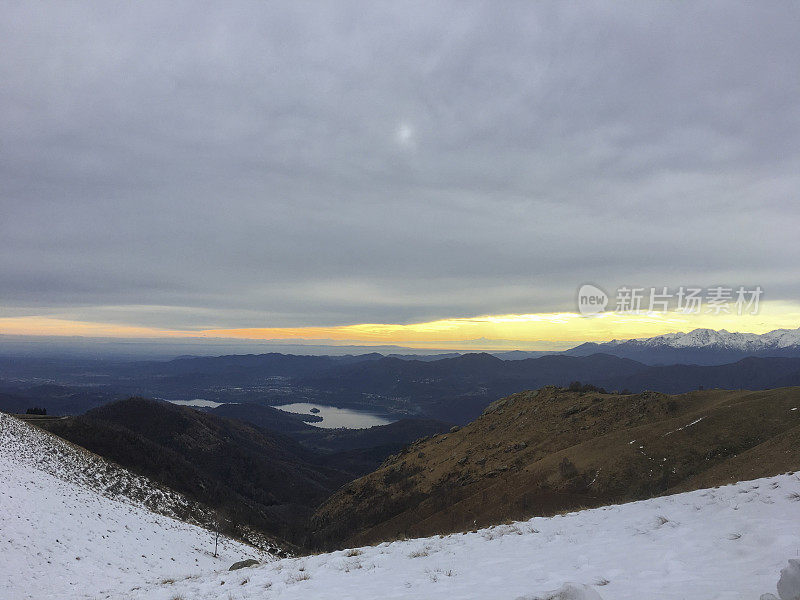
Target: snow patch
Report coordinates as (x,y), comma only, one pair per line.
(695,422)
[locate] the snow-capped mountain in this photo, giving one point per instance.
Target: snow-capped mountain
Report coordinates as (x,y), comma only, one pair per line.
(704,338)
(76,526)
(700,346)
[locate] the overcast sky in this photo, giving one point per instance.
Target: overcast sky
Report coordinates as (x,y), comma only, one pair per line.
(263,164)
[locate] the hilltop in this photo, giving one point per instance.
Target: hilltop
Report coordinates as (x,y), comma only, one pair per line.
(259,478)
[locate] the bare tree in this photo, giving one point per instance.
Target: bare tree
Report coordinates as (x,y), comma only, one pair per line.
(218,523)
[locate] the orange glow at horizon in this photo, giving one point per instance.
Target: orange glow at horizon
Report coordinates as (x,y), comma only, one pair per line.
(547,330)
(51,326)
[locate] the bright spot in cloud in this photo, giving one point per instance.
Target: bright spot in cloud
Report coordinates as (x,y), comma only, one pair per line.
(405,135)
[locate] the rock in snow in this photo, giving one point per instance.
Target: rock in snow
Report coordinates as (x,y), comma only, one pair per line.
(568,591)
(789,583)
(243,564)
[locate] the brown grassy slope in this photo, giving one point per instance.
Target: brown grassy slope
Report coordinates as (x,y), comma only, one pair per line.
(537,453)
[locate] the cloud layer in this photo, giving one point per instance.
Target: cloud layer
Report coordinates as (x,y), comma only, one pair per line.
(318,164)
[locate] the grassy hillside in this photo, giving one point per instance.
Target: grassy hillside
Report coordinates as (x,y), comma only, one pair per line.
(541,452)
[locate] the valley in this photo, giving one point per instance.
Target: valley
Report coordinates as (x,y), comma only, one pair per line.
(723,542)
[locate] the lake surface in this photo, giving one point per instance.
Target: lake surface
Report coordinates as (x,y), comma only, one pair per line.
(197,402)
(333,417)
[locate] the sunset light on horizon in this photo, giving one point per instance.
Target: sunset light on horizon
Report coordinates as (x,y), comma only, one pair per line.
(535,331)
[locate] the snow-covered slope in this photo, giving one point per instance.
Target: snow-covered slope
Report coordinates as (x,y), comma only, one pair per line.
(75,526)
(725,543)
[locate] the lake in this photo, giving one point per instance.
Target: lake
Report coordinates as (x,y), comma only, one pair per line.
(197,402)
(333,417)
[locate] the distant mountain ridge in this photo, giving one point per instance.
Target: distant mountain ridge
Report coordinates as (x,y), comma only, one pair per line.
(449,388)
(701,338)
(699,346)
(452,390)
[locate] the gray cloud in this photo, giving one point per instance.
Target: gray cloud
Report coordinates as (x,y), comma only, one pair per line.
(251,164)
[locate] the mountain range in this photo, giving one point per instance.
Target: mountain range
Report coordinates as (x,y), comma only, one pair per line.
(457,390)
(700,346)
(452,390)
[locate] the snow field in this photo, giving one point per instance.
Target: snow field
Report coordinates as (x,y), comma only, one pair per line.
(62,539)
(725,543)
